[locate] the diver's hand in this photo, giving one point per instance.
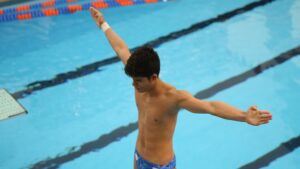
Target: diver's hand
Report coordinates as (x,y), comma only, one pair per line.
(257,117)
(97,16)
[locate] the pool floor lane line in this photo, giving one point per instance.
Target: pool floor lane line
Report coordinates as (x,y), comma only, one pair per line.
(103,141)
(282,150)
(248,74)
(123,131)
(95,67)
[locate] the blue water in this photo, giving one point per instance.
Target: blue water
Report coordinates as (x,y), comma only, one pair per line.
(80,111)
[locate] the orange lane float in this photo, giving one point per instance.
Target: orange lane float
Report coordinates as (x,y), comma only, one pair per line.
(50,12)
(125,2)
(24,16)
(26,12)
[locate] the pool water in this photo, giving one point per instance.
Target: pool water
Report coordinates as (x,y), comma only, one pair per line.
(67,123)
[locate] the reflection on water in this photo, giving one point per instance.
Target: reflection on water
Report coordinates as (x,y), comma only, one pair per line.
(295,17)
(296,61)
(247,38)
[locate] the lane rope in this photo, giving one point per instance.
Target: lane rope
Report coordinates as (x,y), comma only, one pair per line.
(70,9)
(35,6)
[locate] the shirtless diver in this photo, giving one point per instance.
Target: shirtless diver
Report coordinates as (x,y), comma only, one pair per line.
(158,103)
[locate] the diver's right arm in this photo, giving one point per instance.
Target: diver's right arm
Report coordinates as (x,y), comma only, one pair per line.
(115,41)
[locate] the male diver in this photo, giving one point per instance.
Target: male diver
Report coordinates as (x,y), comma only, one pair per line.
(158,103)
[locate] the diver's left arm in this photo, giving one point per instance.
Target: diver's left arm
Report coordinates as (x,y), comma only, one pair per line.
(115,41)
(253,116)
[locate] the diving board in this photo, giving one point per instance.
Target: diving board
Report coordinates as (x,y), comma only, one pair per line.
(9,107)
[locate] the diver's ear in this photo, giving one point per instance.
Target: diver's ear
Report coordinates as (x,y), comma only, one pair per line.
(154,76)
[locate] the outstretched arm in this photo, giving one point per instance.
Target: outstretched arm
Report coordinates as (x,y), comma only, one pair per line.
(253,116)
(115,41)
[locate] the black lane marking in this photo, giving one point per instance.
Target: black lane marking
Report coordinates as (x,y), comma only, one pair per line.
(94,67)
(64,77)
(91,146)
(282,150)
(124,131)
(248,74)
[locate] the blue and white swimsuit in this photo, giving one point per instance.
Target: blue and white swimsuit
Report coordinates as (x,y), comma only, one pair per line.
(144,164)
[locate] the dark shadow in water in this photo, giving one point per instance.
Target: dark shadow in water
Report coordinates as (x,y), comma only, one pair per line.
(12,2)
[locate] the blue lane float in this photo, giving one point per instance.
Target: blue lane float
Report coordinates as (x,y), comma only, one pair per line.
(24,12)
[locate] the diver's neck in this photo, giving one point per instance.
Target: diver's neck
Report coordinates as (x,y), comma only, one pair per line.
(158,88)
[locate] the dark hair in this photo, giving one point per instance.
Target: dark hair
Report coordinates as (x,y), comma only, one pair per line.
(144,62)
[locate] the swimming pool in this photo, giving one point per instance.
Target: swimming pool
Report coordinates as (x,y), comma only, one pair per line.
(90,121)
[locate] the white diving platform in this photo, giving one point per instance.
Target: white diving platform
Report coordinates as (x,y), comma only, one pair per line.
(9,106)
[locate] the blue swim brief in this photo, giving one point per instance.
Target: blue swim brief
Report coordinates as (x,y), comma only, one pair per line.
(144,164)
